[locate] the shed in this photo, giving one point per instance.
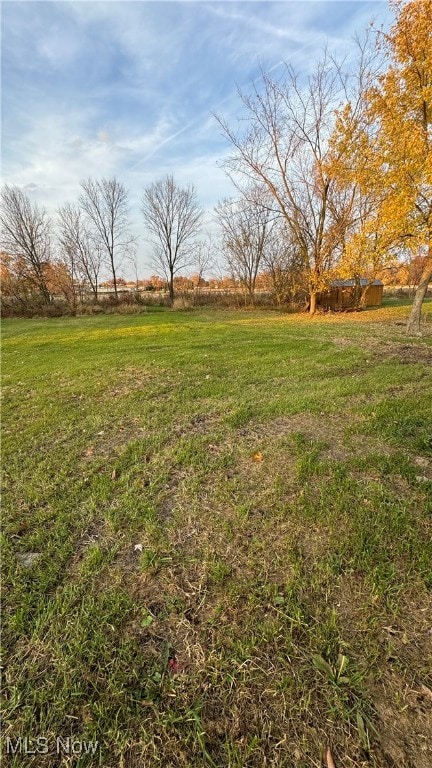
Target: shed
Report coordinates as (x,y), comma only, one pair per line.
(344,294)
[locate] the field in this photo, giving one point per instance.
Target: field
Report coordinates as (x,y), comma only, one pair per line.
(217,540)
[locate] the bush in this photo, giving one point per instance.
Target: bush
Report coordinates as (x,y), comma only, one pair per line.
(56,310)
(91,309)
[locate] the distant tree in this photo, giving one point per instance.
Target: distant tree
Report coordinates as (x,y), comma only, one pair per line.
(204,259)
(16,290)
(173,217)
(61,282)
(284,266)
(105,205)
(18,293)
(246,229)
(26,234)
(133,262)
(157,283)
(82,252)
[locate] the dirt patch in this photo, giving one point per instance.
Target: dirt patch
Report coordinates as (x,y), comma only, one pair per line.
(414,353)
(111,441)
(404,723)
(334,431)
(201,423)
(403,697)
(169,497)
(198,424)
(132,380)
(401,352)
(343,342)
(95,534)
(91,536)
(128,559)
(324,428)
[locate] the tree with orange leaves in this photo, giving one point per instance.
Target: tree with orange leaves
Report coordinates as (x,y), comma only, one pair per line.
(390,143)
(402,105)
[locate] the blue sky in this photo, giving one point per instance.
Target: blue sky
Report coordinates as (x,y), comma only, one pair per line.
(128,88)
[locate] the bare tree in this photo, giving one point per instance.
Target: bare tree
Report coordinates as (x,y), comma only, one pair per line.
(285,147)
(246,226)
(204,257)
(173,216)
(105,204)
(26,233)
(283,265)
(133,262)
(82,252)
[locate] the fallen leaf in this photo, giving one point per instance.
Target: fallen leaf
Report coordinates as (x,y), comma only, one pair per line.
(114,474)
(257,456)
(426,691)
(329,759)
(138,548)
(175,667)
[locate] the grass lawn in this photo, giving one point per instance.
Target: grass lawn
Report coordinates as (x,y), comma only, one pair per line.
(217,540)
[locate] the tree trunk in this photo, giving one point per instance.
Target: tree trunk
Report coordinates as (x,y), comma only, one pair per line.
(113,270)
(413,324)
(41,284)
(171,290)
(45,295)
(312,302)
(115,285)
(363,296)
(357,293)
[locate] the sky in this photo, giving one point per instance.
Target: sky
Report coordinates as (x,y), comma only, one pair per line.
(128,88)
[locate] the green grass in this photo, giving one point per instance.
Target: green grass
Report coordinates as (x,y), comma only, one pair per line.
(231,514)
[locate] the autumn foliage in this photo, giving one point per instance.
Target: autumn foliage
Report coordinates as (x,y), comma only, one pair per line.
(385,141)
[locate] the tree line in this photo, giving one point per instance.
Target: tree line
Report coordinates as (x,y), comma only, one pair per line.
(94,237)
(333,178)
